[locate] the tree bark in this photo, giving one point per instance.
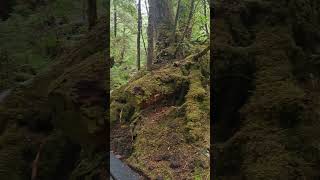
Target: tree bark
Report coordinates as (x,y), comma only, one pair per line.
(144,44)
(123,47)
(92,13)
(84,7)
(187,26)
(115,18)
(176,20)
(150,36)
(139,34)
(205,14)
(146,4)
(189,20)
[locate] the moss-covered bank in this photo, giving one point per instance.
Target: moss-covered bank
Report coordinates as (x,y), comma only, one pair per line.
(165,113)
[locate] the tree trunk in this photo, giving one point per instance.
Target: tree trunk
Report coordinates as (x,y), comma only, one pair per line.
(123,47)
(150,36)
(176,20)
(186,28)
(205,14)
(189,20)
(115,18)
(146,4)
(139,34)
(92,13)
(144,44)
(84,7)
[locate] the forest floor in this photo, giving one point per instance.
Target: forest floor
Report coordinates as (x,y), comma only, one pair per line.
(171,149)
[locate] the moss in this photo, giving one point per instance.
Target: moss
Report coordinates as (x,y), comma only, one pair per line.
(90,166)
(12,163)
(77,98)
(169,136)
(57,158)
(145,90)
(264,144)
(196,116)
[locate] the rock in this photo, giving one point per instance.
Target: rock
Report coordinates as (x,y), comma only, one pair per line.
(159,178)
(175,164)
(163,157)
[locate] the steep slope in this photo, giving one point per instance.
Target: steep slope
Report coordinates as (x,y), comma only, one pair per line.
(160,120)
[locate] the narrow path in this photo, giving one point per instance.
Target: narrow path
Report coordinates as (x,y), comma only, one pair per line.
(120,171)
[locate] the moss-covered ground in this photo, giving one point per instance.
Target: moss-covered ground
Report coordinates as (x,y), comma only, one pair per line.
(164,115)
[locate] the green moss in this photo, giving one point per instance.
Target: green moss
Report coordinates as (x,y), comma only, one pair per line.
(141,91)
(13,147)
(89,167)
(196,115)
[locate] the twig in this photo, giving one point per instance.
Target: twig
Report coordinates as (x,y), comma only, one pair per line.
(35,163)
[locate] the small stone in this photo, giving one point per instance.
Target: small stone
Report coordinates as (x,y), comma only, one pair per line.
(159,178)
(162,157)
(174,165)
(151,167)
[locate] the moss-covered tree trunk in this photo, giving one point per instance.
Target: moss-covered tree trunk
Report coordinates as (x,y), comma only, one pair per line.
(161,28)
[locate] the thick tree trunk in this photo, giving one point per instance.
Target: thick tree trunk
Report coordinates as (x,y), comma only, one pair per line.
(92,13)
(187,28)
(160,30)
(163,19)
(139,34)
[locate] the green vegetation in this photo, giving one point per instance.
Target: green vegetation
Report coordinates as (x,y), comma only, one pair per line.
(48,43)
(124,41)
(36,33)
